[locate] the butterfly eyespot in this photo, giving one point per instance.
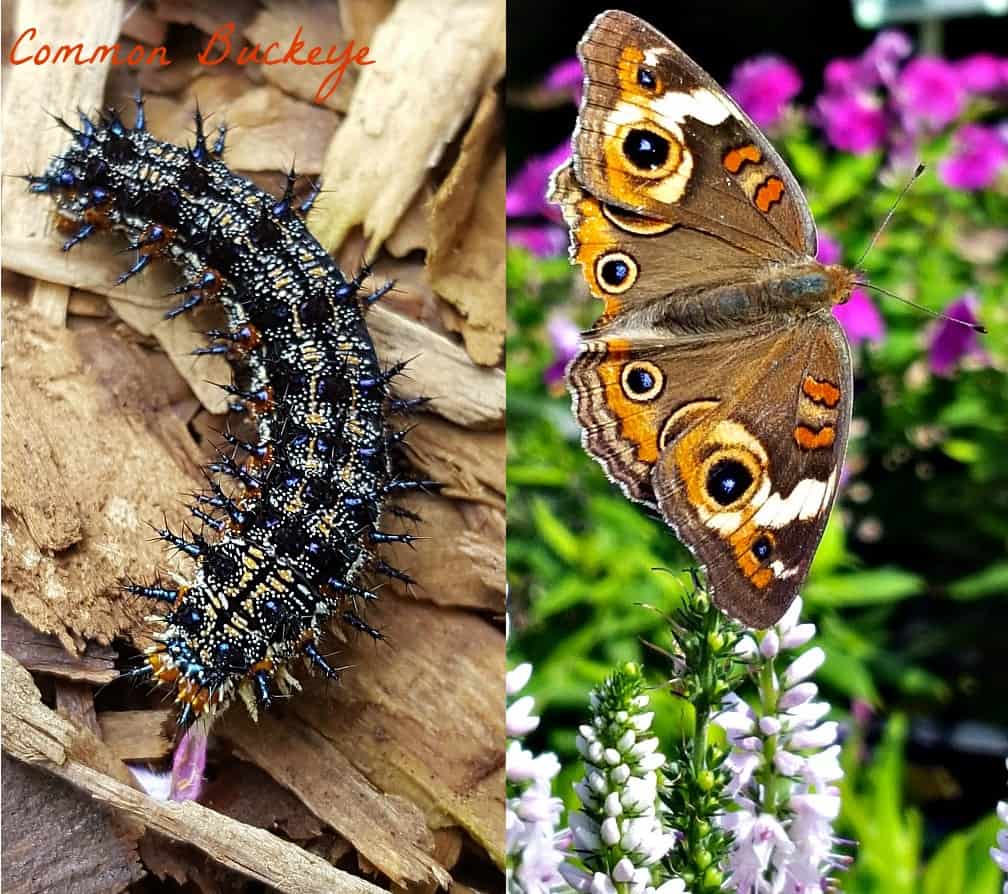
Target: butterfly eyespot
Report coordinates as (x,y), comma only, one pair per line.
(762,547)
(728,480)
(646,79)
(616,272)
(642,381)
(645,149)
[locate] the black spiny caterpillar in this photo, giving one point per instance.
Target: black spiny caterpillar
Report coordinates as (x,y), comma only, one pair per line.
(284,544)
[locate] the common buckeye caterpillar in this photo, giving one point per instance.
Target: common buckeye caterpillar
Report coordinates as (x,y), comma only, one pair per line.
(292,536)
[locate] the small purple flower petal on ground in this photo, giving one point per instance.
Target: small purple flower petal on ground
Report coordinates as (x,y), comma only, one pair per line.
(188,765)
(526,193)
(763,87)
(981,72)
(930,92)
(951,343)
(978,156)
(860,318)
(566,76)
(854,122)
(157,785)
(999,854)
(544,241)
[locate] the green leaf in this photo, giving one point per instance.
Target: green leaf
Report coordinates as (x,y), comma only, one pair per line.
(869,587)
(992,581)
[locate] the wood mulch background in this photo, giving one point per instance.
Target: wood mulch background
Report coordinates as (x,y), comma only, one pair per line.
(394,778)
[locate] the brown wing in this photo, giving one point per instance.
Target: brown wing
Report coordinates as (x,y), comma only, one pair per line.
(737,440)
(657,136)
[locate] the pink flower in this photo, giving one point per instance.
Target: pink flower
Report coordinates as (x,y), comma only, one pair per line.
(854,122)
(566,76)
(188,765)
(763,87)
(830,251)
(930,92)
(544,240)
(881,61)
(565,337)
(952,342)
(526,193)
(981,72)
(977,158)
(860,318)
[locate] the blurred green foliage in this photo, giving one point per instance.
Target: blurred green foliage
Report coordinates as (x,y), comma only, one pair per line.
(910,585)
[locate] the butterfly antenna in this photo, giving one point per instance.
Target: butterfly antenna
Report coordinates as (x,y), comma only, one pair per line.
(976,327)
(885,220)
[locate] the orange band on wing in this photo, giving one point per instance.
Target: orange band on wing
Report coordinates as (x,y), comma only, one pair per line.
(638,422)
(810,440)
(821,392)
(734,159)
(769,192)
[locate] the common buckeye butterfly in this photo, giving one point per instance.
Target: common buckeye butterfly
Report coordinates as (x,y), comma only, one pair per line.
(716,385)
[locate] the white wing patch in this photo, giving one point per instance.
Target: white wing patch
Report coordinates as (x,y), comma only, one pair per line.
(702,104)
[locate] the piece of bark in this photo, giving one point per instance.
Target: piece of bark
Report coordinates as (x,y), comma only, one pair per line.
(362,17)
(372,183)
(35,734)
(425,720)
(210,17)
(321,25)
(43,653)
(143,25)
(460,560)
(138,735)
(471,277)
(56,838)
(49,301)
(413,230)
(388,831)
(76,525)
(75,701)
(469,465)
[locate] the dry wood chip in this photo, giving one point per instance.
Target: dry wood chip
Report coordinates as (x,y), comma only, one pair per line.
(43,817)
(383,149)
(321,26)
(143,25)
(58,385)
(42,653)
(461,563)
(37,735)
(362,17)
(470,465)
(389,832)
(472,277)
(210,17)
(138,735)
(75,701)
(425,721)
(413,230)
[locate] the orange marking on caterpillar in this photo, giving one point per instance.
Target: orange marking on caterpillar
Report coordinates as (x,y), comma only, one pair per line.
(811,440)
(821,392)
(769,193)
(734,159)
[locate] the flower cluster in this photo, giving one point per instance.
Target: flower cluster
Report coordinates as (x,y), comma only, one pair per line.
(785,764)
(619,835)
(1000,853)
(534,850)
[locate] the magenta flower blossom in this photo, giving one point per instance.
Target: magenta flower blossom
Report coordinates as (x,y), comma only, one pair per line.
(854,122)
(880,63)
(930,93)
(566,76)
(543,240)
(565,337)
(764,86)
(860,318)
(829,250)
(188,765)
(526,193)
(981,72)
(950,343)
(978,157)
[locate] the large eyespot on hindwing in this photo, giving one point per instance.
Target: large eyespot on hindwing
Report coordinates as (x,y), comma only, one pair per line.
(642,381)
(616,272)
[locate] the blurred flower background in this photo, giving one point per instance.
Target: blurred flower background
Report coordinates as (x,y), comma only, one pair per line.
(909,589)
